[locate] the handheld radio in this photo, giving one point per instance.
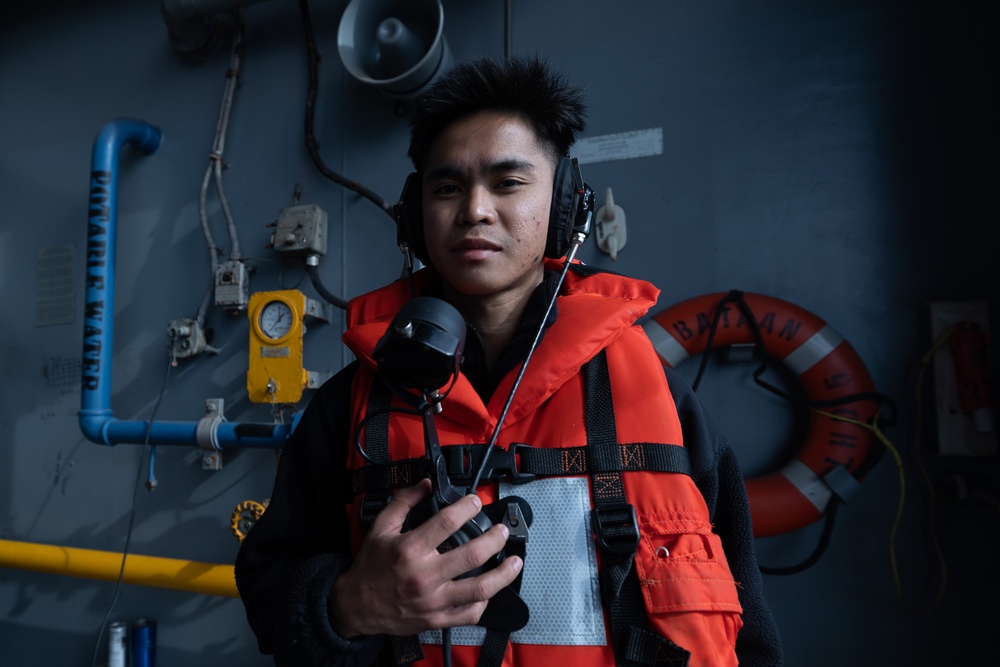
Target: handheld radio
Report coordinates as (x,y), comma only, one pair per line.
(421,350)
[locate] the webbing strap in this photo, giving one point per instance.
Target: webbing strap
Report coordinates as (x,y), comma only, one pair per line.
(633,456)
(377,430)
(406,649)
(493,649)
(495,643)
(375,479)
(614,519)
(521,463)
(641,647)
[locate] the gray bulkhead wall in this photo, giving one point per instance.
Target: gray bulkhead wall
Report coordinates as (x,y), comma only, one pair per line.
(794,163)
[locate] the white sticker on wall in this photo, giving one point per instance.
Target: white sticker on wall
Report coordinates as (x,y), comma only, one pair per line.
(619,146)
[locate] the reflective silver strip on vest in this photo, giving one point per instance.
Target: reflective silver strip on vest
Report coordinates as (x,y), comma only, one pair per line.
(666,345)
(808,483)
(560,582)
(813,351)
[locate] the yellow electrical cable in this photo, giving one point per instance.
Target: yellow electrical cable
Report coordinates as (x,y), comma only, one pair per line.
(900,471)
(902,486)
(918,461)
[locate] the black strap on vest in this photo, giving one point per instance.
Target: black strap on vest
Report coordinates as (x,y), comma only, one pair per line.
(617,530)
(406,649)
(375,478)
(495,643)
(520,464)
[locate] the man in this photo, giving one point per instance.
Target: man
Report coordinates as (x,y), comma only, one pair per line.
(328,581)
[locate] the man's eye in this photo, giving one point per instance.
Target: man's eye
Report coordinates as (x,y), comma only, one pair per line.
(446,189)
(508,183)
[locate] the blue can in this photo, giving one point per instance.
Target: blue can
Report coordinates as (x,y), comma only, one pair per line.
(142,643)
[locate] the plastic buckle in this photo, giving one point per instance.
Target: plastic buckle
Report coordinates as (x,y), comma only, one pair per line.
(616,528)
(502,464)
(464,461)
(516,476)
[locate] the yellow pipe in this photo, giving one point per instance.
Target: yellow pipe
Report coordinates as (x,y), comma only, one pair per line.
(182,575)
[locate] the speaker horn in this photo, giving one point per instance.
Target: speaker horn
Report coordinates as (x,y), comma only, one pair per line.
(397,45)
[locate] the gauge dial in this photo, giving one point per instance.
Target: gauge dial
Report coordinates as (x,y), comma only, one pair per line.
(275,319)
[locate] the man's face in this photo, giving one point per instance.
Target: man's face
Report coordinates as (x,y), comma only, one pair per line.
(487,190)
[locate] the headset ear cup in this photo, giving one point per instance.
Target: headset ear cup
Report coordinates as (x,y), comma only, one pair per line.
(565,199)
(409,218)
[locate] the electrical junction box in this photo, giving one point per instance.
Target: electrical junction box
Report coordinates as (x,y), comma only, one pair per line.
(277,329)
(232,285)
(963,400)
(300,230)
(186,338)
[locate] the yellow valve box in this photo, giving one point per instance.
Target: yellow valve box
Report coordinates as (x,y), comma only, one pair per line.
(275,372)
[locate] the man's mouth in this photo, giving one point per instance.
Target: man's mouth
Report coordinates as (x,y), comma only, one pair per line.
(475,248)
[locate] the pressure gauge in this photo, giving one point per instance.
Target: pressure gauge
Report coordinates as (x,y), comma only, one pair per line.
(275,373)
(276,319)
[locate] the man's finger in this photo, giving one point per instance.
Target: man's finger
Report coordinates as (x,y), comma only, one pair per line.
(482,587)
(439,527)
(475,553)
(391,518)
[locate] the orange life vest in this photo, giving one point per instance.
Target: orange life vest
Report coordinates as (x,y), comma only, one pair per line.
(689,593)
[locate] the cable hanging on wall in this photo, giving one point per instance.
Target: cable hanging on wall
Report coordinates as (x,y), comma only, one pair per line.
(229,284)
(931,496)
(508,28)
(312,144)
(230,276)
(151,485)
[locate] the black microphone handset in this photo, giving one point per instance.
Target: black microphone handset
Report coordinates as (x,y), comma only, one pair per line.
(422,351)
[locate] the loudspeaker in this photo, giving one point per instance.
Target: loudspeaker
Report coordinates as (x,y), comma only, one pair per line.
(571,212)
(397,45)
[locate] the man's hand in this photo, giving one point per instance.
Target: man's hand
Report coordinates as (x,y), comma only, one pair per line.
(399,584)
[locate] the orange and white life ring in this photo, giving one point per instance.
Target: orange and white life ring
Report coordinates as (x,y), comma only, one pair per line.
(828,368)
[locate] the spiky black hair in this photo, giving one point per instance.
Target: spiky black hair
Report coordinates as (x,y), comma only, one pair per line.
(524,87)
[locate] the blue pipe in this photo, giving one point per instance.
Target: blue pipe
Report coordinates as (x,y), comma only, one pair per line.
(104,429)
(97,421)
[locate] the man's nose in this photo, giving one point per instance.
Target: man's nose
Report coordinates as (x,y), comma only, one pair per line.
(479,206)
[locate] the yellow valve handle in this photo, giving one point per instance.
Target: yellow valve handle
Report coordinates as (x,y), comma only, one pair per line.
(244,517)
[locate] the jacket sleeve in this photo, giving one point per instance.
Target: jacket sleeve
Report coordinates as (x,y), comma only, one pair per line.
(289,560)
(717,473)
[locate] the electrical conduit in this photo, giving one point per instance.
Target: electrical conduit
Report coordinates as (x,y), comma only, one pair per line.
(97,421)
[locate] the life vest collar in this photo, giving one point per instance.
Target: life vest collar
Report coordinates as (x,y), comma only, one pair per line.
(603,307)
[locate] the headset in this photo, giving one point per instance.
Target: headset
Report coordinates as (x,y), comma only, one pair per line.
(570,214)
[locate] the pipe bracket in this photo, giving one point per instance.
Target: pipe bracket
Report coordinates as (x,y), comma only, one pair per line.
(207,433)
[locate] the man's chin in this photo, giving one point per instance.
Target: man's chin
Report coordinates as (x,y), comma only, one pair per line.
(485,284)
